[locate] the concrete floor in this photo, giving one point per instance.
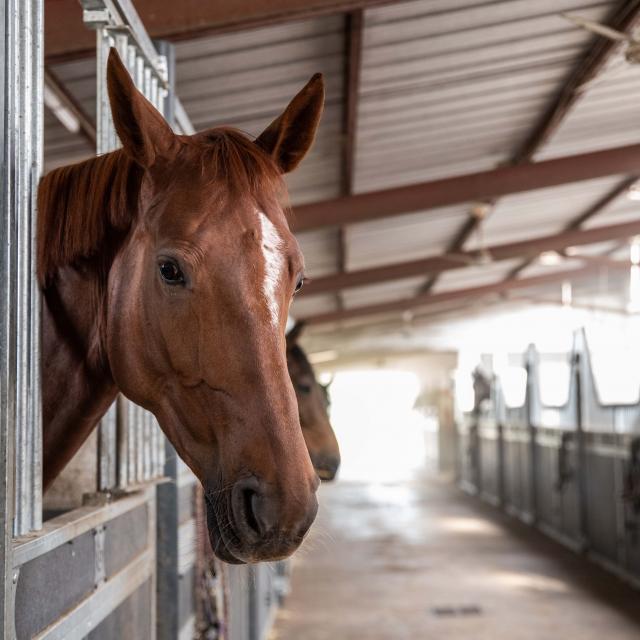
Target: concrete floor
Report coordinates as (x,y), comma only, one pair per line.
(421,561)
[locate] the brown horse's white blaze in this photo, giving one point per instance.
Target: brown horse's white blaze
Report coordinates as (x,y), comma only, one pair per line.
(178,297)
(273,265)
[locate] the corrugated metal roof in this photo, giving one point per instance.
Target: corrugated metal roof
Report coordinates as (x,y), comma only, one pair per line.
(474,276)
(452,87)
(387,291)
(406,237)
(540,212)
(605,116)
(320,252)
(304,306)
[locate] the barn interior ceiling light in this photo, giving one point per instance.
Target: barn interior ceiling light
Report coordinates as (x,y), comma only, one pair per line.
(632,50)
(633,192)
(550,258)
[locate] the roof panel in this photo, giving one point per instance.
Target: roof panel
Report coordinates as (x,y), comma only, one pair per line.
(474,276)
(402,238)
(386,292)
(540,212)
(319,250)
(438,80)
(606,115)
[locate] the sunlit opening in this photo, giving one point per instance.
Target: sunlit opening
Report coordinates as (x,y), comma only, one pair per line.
(381,435)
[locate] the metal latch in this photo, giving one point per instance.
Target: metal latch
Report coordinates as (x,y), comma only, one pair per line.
(565,470)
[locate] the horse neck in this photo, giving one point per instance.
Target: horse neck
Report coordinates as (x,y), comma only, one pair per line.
(77,383)
(85,214)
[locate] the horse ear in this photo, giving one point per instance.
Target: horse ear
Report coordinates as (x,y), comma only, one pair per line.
(288,138)
(144,133)
(294,333)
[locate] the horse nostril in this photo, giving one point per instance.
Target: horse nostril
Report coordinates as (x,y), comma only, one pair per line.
(250,500)
(254,513)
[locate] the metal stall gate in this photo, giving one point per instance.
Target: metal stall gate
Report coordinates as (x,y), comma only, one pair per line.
(571,468)
(91,571)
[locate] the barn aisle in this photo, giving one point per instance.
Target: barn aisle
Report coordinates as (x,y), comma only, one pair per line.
(419,560)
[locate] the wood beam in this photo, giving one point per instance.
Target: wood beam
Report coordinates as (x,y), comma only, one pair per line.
(472,187)
(66,38)
(353,56)
(464,259)
(467,294)
(353,63)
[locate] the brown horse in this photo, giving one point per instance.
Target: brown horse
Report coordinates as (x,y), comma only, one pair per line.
(313,405)
(167,269)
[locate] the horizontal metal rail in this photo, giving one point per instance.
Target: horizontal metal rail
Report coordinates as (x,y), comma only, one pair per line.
(81,620)
(68,526)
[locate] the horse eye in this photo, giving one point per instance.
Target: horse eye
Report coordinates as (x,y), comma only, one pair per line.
(170,272)
(304,388)
(299,283)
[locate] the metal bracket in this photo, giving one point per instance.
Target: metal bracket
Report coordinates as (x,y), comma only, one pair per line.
(100,574)
(95,19)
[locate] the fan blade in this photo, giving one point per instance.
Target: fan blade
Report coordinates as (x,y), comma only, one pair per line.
(596,27)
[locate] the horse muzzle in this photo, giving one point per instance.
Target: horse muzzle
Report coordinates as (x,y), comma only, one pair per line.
(326,466)
(254,523)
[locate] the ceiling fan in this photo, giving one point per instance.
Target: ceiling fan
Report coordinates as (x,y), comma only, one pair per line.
(480,256)
(632,50)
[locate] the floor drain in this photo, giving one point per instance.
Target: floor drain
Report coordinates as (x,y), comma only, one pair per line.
(457,611)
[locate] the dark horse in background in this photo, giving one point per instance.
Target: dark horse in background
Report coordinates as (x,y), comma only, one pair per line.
(167,270)
(313,408)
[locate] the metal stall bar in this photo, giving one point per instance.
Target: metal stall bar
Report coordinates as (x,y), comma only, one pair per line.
(21,80)
(21,172)
(130,445)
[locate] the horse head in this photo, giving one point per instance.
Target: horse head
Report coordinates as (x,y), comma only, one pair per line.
(198,298)
(313,406)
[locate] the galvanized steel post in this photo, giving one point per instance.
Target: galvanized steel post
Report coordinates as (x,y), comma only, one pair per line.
(21,79)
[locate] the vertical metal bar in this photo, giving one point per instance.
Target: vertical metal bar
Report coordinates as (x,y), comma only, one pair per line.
(24,116)
(581,447)
(7,325)
(35,379)
(20,163)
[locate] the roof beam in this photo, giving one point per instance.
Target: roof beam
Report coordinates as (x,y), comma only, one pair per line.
(66,38)
(428,299)
(353,55)
(471,187)
(353,64)
(460,260)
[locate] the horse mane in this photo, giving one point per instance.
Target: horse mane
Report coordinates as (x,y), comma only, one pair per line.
(77,206)
(80,204)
